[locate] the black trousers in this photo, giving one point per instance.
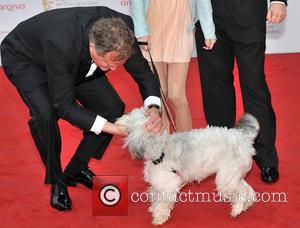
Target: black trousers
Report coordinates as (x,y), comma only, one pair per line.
(97,95)
(219,101)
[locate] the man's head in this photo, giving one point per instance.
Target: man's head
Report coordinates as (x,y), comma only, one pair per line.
(111,42)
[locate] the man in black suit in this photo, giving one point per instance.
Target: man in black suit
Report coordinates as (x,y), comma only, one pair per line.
(241,34)
(57,60)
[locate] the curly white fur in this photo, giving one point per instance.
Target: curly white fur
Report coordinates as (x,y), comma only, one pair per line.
(193,156)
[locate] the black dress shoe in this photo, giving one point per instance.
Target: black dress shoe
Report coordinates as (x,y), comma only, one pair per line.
(90,172)
(269,174)
(60,199)
(85,177)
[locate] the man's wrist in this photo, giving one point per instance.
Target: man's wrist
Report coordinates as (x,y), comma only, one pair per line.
(279,2)
(155,106)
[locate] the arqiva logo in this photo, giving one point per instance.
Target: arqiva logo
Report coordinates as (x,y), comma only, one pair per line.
(12,7)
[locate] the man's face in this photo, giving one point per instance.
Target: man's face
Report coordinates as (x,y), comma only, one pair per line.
(107,61)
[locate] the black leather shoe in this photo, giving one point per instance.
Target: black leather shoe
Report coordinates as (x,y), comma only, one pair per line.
(269,174)
(60,199)
(85,177)
(90,172)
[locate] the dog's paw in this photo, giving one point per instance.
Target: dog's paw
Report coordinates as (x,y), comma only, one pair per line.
(249,203)
(234,213)
(237,209)
(150,209)
(160,220)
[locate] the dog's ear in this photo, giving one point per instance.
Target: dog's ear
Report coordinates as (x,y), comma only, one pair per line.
(135,145)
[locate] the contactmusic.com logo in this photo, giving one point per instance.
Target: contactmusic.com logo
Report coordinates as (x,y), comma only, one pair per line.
(110,195)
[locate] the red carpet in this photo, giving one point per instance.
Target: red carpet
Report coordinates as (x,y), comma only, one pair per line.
(24,199)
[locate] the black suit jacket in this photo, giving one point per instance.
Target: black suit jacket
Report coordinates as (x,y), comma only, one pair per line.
(53,47)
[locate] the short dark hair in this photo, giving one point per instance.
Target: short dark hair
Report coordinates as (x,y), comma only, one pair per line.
(112,34)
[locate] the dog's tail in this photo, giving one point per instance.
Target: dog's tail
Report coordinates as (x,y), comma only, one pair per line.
(249,125)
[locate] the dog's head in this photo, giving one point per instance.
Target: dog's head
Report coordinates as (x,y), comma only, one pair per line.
(134,122)
(141,144)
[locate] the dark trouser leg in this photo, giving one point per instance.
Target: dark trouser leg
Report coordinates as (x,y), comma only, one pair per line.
(99,96)
(38,141)
(257,99)
(216,76)
(44,129)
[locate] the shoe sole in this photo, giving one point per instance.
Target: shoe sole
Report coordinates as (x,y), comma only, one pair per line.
(61,208)
(74,183)
(270,182)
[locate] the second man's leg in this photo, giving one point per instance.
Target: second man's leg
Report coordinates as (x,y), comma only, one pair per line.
(216,76)
(257,101)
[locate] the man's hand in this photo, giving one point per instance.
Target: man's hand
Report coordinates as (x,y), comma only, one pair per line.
(121,130)
(154,124)
(115,129)
(276,13)
(209,44)
(145,39)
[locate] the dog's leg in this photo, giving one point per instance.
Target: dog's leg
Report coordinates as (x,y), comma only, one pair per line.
(251,195)
(245,199)
(163,192)
(229,187)
(162,206)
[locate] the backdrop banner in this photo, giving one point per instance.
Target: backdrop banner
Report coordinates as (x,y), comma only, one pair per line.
(282,38)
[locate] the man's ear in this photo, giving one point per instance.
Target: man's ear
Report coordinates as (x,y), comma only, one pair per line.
(92,47)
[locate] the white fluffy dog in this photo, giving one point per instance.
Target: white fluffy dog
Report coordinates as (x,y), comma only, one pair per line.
(171,161)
